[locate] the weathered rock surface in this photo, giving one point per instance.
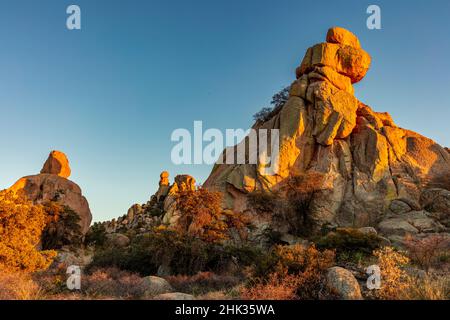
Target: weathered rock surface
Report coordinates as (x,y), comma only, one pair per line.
(343,283)
(54,186)
(373,173)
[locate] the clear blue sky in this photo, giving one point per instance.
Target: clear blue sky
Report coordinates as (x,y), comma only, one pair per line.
(110,95)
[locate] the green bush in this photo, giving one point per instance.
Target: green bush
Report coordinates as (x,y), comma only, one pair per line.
(182,254)
(350,243)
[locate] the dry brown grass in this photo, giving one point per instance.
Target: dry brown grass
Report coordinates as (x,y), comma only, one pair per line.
(112,282)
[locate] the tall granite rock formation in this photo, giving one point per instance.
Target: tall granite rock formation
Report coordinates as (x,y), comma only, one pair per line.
(52,184)
(361,169)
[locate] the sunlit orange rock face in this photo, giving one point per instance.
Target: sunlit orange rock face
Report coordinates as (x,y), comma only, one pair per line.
(52,185)
(372,170)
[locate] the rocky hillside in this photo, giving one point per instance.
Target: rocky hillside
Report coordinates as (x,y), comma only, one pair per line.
(341,164)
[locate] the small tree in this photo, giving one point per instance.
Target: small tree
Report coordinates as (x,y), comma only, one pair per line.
(21,225)
(301,192)
(280,98)
(277,102)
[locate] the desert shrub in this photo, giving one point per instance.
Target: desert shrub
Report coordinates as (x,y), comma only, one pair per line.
(17,285)
(53,280)
(304,267)
(21,226)
(96,235)
(394,279)
(427,252)
(113,282)
(181,253)
(350,243)
(202,216)
(202,282)
(62,227)
(291,205)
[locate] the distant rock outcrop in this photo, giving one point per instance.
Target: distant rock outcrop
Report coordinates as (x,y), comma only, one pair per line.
(161,209)
(373,173)
(52,185)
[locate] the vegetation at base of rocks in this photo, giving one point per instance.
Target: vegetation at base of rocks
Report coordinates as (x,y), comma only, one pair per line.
(277,286)
(277,102)
(429,251)
(301,190)
(202,216)
(399,283)
(18,285)
(96,235)
(180,253)
(350,243)
(21,227)
(104,283)
(62,227)
(290,272)
(435,287)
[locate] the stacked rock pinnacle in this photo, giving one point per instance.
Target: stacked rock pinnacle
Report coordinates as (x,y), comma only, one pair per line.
(57,163)
(325,79)
(52,184)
